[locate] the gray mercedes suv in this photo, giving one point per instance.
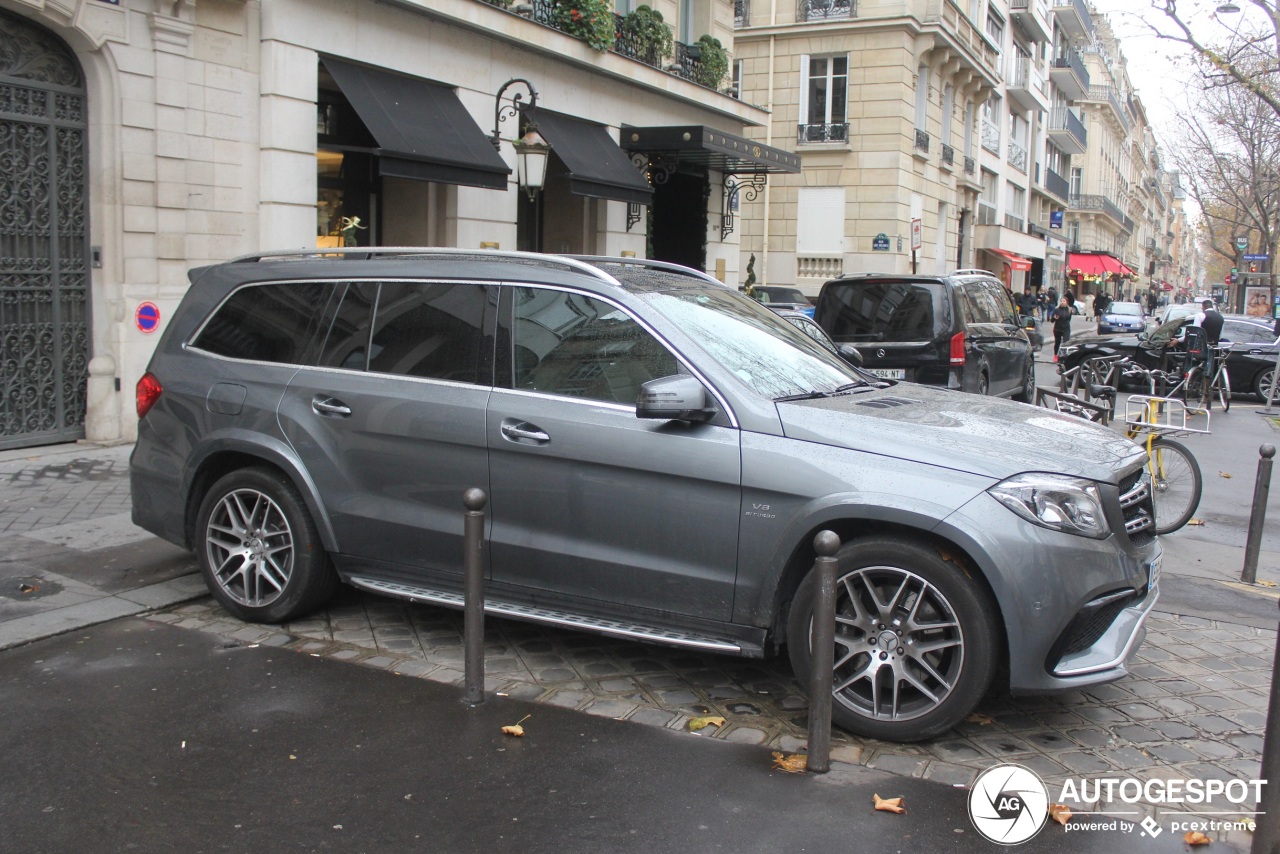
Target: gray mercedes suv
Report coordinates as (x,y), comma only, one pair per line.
(659,452)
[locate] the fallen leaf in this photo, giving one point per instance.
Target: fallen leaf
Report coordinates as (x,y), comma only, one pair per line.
(702,723)
(793,764)
(1224,474)
(979,719)
(1195,837)
(515,729)
(1196,522)
(1266,583)
(889,804)
(1060,813)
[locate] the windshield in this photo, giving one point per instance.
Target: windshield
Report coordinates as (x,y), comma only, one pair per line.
(776,294)
(763,350)
(1126,308)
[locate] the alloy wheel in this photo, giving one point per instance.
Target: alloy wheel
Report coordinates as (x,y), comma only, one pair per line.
(249,546)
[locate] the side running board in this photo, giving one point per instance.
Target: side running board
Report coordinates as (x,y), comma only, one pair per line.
(635,631)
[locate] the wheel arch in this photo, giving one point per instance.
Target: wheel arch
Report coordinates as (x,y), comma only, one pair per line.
(232,453)
(802,558)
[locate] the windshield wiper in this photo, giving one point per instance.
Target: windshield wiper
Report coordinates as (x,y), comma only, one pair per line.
(814,395)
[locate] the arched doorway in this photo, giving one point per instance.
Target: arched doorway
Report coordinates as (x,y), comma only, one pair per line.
(44,228)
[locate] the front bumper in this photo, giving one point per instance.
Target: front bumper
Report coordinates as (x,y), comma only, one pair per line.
(1073,608)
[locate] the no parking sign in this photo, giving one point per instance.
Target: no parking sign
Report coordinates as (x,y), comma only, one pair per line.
(147,317)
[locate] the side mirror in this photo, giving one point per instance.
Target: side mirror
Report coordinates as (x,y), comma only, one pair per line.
(1028,323)
(850,354)
(674,398)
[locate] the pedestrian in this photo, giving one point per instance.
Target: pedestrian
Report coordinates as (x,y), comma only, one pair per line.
(1027,304)
(1089,304)
(1061,325)
(1210,321)
(1100,304)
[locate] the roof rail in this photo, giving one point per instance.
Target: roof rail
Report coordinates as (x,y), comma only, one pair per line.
(665,266)
(368,252)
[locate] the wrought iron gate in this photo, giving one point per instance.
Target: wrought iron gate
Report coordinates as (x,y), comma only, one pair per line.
(44,293)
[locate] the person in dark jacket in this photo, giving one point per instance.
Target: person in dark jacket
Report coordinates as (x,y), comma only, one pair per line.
(1061,325)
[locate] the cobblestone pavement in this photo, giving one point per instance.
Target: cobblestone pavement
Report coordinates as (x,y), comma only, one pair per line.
(1194,706)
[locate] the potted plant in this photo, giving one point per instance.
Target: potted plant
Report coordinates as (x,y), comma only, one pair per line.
(713,65)
(589,20)
(644,32)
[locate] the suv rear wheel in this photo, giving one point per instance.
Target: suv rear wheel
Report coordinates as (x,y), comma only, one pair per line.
(259,550)
(916,643)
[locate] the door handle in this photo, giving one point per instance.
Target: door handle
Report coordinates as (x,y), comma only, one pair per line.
(523,431)
(330,406)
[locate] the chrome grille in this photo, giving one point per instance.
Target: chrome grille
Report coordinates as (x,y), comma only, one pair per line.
(1136,507)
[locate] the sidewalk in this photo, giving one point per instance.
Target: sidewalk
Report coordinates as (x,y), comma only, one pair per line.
(1194,705)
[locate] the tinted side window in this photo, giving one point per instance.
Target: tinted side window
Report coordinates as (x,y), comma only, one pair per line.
(1247,333)
(347,344)
(428,329)
(578,346)
(266,323)
(980,304)
(878,311)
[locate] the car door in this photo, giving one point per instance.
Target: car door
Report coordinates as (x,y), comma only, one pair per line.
(989,349)
(390,422)
(587,501)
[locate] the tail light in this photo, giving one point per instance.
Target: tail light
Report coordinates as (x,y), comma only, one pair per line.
(148,392)
(957,349)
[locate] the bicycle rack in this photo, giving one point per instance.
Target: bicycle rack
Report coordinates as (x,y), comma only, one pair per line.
(1170,413)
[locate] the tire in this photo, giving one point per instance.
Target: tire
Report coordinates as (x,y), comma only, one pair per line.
(1092,371)
(1224,390)
(1176,484)
(880,692)
(1027,394)
(984,384)
(259,550)
(1195,391)
(1262,383)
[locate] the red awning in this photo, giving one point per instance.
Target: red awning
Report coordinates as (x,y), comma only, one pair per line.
(1015,260)
(1097,264)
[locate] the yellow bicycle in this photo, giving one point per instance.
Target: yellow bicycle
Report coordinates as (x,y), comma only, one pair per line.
(1176,484)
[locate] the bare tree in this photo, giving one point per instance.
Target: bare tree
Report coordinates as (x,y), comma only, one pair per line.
(1246,54)
(1228,155)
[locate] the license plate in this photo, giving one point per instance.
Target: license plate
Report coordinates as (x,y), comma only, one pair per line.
(1153,573)
(888,373)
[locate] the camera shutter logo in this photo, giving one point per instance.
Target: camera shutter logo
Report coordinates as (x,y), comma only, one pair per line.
(1009,804)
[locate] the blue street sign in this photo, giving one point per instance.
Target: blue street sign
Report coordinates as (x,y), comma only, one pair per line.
(880,243)
(1262,257)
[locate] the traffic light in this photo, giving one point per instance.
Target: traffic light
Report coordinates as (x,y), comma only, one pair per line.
(1253,268)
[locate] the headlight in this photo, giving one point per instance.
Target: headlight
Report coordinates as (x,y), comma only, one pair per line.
(1068,504)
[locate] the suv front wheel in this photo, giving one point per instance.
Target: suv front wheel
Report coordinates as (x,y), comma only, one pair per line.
(259,550)
(915,637)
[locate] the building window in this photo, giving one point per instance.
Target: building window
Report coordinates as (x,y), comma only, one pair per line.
(922,97)
(948,105)
(995,28)
(1077,181)
(987,198)
(736,91)
(824,88)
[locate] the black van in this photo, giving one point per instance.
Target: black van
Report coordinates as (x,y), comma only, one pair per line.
(961,331)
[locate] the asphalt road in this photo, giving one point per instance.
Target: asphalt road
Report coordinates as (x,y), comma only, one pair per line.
(137,736)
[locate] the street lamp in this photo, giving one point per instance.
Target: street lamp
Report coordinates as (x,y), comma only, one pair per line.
(532,150)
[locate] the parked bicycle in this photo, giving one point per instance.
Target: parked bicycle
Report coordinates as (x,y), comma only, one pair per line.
(1209,381)
(1150,420)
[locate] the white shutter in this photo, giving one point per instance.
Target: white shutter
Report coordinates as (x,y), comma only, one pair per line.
(820,221)
(803,118)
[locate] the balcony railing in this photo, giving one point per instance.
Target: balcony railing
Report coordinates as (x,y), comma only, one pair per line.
(987,214)
(922,141)
(1072,60)
(838,132)
(990,137)
(1107,95)
(742,13)
(970,166)
(1017,157)
(825,10)
(1064,119)
(1082,9)
(686,63)
(1101,203)
(1013,222)
(948,155)
(1057,185)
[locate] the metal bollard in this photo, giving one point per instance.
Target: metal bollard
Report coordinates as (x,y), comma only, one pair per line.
(1266,835)
(1261,489)
(822,652)
(473,588)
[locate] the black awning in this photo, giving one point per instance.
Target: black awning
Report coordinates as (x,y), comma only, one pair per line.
(422,129)
(714,149)
(597,166)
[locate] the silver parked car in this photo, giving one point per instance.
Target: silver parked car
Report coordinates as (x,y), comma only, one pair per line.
(659,452)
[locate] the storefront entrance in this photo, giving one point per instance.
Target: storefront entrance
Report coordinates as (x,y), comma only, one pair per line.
(678,217)
(44,269)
